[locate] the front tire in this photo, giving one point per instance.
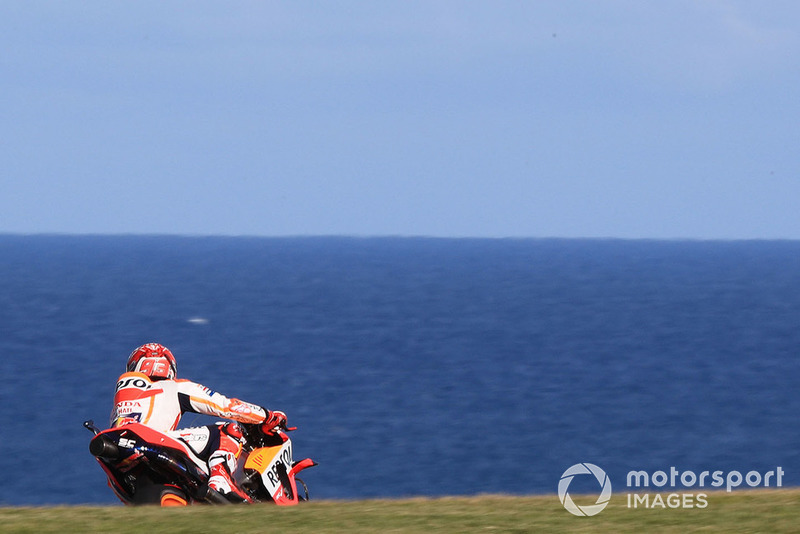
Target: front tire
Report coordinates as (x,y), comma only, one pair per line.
(302,489)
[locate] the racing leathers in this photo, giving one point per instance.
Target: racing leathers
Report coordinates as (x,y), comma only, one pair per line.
(159,405)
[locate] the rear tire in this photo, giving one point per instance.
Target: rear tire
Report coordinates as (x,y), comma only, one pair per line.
(161,494)
(171,498)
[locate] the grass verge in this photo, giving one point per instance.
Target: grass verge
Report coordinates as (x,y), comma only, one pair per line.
(742,511)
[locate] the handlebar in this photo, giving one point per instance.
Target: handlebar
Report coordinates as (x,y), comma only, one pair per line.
(254,432)
(281,426)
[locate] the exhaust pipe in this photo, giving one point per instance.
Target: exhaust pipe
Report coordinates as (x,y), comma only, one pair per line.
(104,447)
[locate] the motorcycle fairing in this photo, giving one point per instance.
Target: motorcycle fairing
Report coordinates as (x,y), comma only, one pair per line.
(278,470)
(136,444)
(268,461)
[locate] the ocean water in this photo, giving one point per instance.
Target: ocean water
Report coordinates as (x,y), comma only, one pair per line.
(413,366)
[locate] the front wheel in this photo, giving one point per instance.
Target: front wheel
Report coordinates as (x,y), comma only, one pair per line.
(302,489)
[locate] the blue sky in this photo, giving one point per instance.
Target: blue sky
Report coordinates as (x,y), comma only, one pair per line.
(608,118)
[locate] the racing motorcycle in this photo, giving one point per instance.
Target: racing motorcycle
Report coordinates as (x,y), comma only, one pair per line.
(145,466)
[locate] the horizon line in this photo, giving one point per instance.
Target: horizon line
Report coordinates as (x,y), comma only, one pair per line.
(386,236)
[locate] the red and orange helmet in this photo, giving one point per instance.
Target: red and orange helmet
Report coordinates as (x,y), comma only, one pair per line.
(154,360)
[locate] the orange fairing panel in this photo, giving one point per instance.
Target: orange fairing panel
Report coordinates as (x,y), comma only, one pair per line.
(260,459)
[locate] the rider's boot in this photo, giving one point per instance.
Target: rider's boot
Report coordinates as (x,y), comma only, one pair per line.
(222,463)
(222,482)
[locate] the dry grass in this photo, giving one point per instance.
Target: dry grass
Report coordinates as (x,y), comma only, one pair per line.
(742,511)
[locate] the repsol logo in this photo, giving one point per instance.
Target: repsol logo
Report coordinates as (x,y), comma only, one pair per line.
(284,459)
(134,382)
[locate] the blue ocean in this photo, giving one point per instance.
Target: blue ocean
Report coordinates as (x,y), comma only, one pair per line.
(413,366)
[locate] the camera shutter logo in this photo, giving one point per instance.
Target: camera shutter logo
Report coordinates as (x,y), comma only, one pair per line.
(584,469)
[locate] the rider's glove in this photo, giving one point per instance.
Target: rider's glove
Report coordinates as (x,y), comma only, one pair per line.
(274,419)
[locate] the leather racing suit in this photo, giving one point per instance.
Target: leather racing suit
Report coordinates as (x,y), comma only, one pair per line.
(160,404)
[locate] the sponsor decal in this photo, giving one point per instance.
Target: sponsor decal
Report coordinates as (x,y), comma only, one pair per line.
(240,407)
(134,382)
(128,408)
(200,434)
(269,462)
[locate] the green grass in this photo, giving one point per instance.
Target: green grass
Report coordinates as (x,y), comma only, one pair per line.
(742,511)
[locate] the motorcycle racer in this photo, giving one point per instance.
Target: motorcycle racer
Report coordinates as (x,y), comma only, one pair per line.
(150,393)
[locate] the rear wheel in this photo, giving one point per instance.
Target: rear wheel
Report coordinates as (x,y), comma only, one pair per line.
(169,498)
(163,494)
